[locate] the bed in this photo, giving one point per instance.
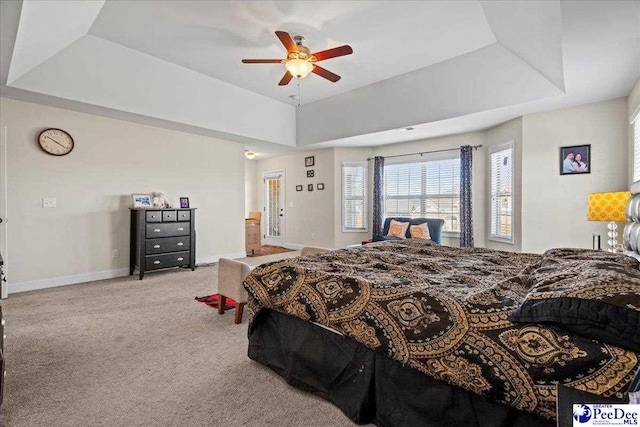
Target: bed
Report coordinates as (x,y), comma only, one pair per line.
(414,333)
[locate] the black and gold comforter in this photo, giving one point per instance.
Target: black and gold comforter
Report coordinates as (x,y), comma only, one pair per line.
(444,311)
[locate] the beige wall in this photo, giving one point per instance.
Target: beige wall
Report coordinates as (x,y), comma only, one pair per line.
(510,131)
(309,215)
(250,189)
(554,206)
(93,186)
(633,108)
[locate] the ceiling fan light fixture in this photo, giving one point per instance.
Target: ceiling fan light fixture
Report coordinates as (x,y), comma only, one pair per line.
(299,68)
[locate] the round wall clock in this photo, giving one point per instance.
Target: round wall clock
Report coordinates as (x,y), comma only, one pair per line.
(55,142)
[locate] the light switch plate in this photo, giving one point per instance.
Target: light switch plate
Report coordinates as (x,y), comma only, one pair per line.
(49,202)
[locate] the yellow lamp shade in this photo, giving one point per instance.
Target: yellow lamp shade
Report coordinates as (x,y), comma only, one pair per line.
(608,206)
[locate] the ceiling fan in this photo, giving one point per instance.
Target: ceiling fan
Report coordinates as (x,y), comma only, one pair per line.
(300,61)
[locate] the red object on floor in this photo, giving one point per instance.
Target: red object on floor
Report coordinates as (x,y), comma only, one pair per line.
(214,299)
(364,242)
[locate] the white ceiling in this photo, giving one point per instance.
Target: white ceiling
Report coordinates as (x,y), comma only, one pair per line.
(388,38)
(441,67)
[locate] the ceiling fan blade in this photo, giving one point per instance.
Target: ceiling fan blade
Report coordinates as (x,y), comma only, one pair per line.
(333,53)
(285,79)
(261,61)
(325,73)
(287,41)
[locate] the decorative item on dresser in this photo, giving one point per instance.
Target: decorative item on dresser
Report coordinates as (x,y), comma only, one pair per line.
(162,238)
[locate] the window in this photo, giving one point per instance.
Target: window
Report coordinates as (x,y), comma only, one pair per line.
(354,197)
(501,159)
(636,148)
(426,189)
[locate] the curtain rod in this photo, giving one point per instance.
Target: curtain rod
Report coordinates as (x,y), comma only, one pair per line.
(475,147)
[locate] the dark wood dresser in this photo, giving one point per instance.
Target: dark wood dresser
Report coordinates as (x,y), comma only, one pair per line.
(162,238)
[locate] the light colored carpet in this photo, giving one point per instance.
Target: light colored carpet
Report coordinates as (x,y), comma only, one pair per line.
(125,352)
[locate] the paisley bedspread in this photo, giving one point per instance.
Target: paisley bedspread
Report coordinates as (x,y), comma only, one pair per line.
(444,311)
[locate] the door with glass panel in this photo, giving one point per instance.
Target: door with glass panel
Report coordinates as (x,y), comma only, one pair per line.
(273,218)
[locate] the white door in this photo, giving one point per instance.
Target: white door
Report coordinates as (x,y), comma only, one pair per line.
(273,218)
(3,207)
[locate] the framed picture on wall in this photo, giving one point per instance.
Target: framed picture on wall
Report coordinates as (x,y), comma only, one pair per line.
(309,161)
(141,201)
(298,187)
(575,159)
(321,186)
(310,187)
(310,173)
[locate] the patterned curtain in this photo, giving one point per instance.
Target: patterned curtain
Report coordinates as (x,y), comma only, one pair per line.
(466,202)
(378,196)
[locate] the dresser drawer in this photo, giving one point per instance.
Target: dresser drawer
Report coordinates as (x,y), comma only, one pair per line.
(167,244)
(184,215)
(175,259)
(168,216)
(168,229)
(153,216)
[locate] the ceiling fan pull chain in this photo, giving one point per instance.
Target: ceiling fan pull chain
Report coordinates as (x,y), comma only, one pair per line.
(298,92)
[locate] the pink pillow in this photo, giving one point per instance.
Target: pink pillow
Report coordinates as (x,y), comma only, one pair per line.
(420,231)
(398,229)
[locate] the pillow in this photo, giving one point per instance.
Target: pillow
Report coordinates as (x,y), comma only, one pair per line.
(596,297)
(420,231)
(398,229)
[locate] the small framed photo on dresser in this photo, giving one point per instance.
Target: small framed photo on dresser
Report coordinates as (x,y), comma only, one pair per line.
(184,202)
(141,201)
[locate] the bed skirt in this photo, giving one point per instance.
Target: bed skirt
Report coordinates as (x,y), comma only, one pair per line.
(368,386)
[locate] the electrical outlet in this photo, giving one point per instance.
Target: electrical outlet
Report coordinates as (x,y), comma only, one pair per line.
(115,254)
(48,202)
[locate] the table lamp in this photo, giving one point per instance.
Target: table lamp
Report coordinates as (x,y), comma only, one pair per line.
(609,207)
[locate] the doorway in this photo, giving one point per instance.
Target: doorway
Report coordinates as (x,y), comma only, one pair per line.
(274,219)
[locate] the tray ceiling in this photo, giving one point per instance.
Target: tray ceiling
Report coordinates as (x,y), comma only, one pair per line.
(439,66)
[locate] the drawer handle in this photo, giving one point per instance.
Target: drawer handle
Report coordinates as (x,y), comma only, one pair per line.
(153,216)
(180,229)
(168,216)
(180,259)
(156,262)
(156,230)
(180,244)
(156,246)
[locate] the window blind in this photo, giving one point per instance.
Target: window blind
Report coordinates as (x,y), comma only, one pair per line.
(354,200)
(426,189)
(502,193)
(636,149)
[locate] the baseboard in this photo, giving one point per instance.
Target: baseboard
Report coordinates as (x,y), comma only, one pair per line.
(98,275)
(215,258)
(298,247)
(66,280)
